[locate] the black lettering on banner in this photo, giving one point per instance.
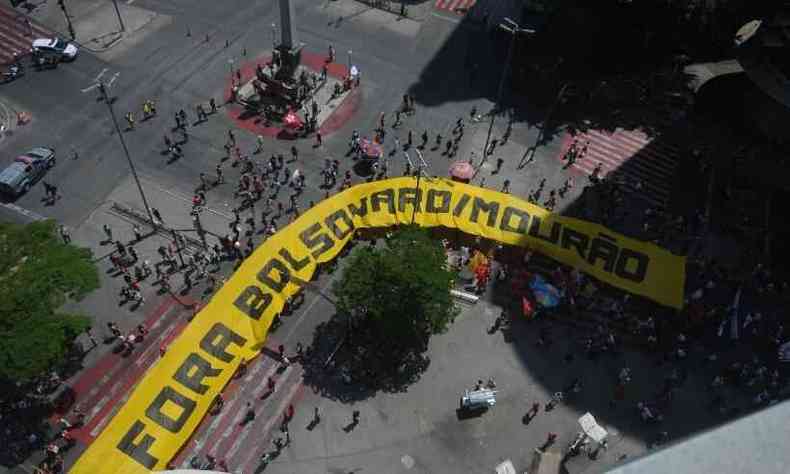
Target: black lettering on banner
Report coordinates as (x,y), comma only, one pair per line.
(509,214)
(430,203)
(218,339)
(553,237)
(459,208)
(317,241)
(168,394)
(360,211)
(642,262)
(386,196)
(253,302)
(331,222)
(577,240)
(291,261)
(603,247)
(279,284)
(411,196)
(192,372)
(492,208)
(138,452)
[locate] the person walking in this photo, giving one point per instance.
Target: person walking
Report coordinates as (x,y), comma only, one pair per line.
(130,120)
(258,145)
(138,233)
(294,153)
(65,234)
(108,232)
(213,105)
(249,415)
(319,139)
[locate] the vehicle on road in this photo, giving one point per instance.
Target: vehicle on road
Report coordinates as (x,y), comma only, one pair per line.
(55,47)
(26,169)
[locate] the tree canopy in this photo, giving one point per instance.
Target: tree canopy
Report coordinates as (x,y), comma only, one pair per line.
(38,273)
(396,295)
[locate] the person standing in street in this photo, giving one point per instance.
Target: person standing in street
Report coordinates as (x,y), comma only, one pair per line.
(108,232)
(130,120)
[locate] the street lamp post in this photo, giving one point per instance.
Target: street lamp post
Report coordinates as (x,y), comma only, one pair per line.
(118,12)
(274,36)
(513,28)
(107,101)
(350,58)
(531,150)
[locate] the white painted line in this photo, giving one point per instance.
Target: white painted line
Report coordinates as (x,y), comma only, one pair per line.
(21,210)
(240,415)
(446,18)
(267,427)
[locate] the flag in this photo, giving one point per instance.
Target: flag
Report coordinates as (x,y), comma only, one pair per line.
(526,307)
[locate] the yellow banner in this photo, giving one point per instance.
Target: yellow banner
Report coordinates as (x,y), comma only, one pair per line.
(176,393)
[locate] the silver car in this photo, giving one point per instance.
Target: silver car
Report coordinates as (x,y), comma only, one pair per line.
(26,169)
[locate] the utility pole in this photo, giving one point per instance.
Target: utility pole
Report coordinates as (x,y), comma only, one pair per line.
(417,192)
(62,6)
(513,28)
(350,58)
(102,86)
(534,147)
(118,12)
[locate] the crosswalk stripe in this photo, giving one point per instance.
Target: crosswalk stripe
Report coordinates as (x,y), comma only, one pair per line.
(627,143)
(204,437)
(253,453)
(636,143)
(631,162)
(656,161)
(235,429)
(660,188)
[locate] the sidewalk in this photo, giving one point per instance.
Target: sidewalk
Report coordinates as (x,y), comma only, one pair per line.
(95,23)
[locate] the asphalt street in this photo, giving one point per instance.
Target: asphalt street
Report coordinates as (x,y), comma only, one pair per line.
(183,55)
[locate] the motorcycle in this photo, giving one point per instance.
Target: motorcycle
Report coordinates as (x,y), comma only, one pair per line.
(576,445)
(13,72)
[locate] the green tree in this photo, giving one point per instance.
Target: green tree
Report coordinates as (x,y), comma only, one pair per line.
(396,296)
(38,274)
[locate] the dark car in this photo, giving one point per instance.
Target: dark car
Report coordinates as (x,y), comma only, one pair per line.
(26,169)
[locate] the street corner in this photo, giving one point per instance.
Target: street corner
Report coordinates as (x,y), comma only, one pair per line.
(96,393)
(332,101)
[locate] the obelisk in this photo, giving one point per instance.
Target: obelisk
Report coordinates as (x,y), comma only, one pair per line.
(289,47)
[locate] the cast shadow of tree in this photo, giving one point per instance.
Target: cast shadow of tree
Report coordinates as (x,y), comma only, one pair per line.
(353,370)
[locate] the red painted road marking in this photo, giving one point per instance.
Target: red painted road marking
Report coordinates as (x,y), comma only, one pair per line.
(258,448)
(629,154)
(235,393)
(113,377)
(232,432)
(118,392)
(91,379)
(15,35)
(455,6)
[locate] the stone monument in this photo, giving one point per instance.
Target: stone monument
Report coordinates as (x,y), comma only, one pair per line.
(289,48)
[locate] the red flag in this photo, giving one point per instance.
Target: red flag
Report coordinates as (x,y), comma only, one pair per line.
(526,307)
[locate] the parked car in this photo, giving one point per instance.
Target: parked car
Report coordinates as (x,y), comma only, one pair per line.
(26,169)
(55,47)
